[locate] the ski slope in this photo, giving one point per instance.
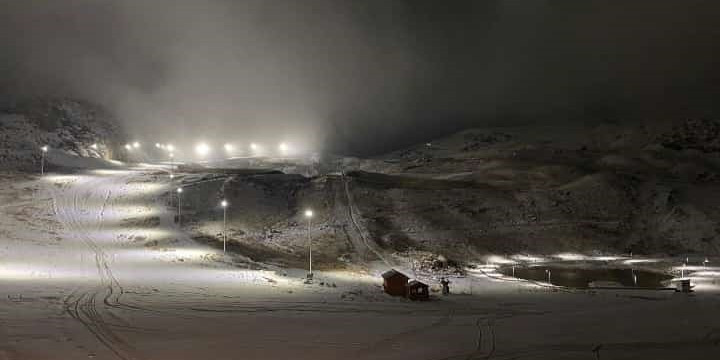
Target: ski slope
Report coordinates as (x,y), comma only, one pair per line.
(92,266)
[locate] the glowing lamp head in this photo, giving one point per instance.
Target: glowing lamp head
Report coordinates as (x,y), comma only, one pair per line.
(202,149)
(94,146)
(283,147)
(172,176)
(157,145)
(179,190)
(44,148)
(128,147)
(229,147)
(308,213)
(172,155)
(254,146)
(169,147)
(136,144)
(224,203)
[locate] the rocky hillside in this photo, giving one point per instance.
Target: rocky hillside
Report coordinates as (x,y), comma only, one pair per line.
(607,189)
(68,127)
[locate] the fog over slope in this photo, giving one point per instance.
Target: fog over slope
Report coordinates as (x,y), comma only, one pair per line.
(361,77)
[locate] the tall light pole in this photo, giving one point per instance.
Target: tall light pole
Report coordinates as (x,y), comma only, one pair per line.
(42,159)
(224,205)
(172,156)
(179,192)
(309,215)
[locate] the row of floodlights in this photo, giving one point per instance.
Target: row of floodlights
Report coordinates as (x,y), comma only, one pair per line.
(203,149)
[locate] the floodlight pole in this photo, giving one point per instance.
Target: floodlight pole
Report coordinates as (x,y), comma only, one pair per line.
(309,242)
(682,271)
(44,150)
(179,193)
(224,228)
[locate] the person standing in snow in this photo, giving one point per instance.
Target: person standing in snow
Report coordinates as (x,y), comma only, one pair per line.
(445,286)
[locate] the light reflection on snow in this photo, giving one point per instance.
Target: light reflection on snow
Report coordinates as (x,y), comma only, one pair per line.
(31,271)
(528,258)
(570,256)
(109,172)
(63,179)
(607,258)
(350,277)
(693,268)
(640,261)
(495,259)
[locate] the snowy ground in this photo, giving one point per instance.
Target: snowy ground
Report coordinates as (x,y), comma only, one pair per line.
(92,266)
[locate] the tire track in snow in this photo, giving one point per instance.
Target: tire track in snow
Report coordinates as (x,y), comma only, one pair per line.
(351,213)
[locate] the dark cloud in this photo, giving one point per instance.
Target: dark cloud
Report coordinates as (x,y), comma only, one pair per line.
(362,76)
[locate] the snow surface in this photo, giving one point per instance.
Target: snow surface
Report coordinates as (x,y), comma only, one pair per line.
(93,266)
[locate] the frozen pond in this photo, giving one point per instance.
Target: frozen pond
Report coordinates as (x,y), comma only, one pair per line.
(577,277)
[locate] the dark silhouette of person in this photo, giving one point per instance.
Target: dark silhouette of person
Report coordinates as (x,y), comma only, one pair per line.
(445,286)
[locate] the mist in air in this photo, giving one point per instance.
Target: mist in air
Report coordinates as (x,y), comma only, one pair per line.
(360,76)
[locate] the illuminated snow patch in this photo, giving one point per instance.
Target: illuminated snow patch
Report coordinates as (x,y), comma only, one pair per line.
(691,268)
(61,178)
(528,258)
(606,258)
(570,257)
(29,271)
(640,261)
(706,273)
(109,172)
(345,276)
(494,259)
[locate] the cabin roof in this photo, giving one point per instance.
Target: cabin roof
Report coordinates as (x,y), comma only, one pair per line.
(415,283)
(393,273)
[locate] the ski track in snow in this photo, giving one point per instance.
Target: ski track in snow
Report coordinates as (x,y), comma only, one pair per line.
(82,304)
(93,210)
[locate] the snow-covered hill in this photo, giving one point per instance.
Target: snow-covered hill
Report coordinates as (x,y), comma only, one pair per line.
(70,128)
(602,189)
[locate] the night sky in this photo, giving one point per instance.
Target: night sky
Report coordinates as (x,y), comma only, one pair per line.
(363,76)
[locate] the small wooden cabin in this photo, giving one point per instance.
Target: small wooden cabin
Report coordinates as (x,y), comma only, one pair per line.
(416,290)
(683,285)
(394,282)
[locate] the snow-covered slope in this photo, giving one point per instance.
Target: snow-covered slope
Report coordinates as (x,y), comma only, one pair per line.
(71,129)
